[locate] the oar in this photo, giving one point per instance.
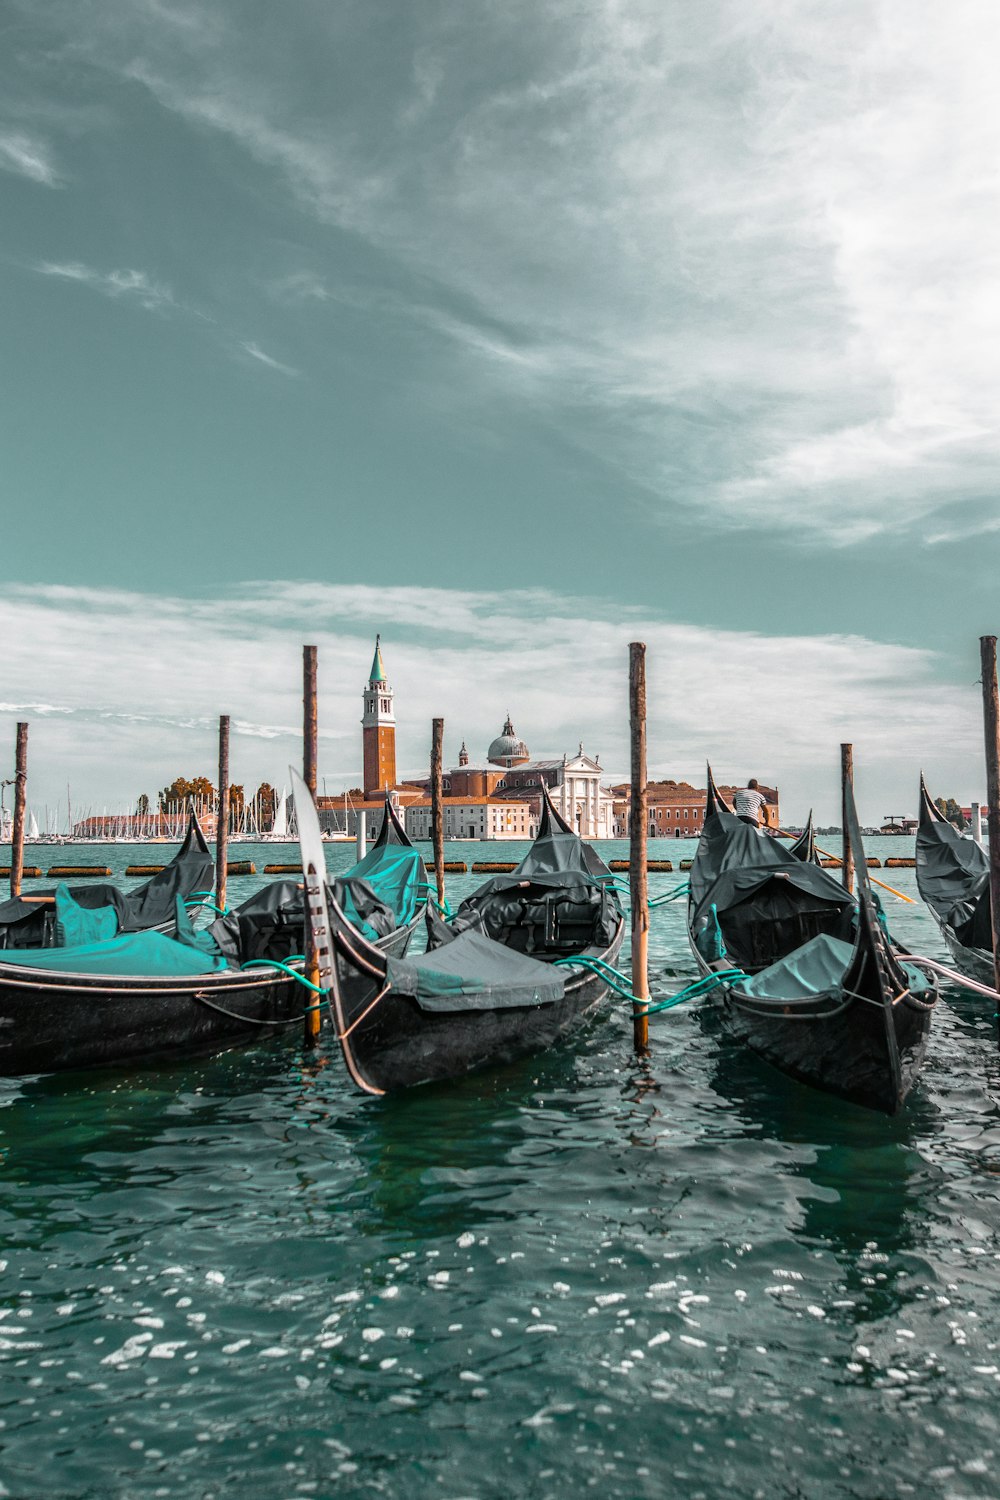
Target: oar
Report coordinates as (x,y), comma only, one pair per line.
(827,855)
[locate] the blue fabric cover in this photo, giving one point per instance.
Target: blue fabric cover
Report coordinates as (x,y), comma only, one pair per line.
(76,924)
(141,955)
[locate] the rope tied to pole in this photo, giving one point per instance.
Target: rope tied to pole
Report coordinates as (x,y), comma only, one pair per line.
(618,982)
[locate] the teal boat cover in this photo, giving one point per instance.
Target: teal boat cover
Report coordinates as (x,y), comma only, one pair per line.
(76,924)
(817,968)
(395,873)
(139,955)
(474,973)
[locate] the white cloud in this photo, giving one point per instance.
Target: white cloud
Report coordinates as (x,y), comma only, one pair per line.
(134,685)
(28,156)
(139,285)
(255,352)
(300,286)
(759,242)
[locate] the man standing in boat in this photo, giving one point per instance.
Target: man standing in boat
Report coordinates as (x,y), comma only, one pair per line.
(748,802)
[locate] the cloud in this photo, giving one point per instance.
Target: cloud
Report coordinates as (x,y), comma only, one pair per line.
(772,706)
(300,286)
(787,219)
(747,256)
(154,296)
(150,294)
(28,156)
(255,352)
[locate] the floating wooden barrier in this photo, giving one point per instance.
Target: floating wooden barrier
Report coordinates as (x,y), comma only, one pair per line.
(144,869)
(894,863)
(29,871)
(686,864)
(832,864)
(459,867)
(283,869)
(662,865)
(243,867)
(61,871)
(490,867)
(873,863)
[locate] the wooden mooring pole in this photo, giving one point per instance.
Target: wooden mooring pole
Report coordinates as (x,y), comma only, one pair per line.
(437,807)
(222,822)
(846,780)
(309,718)
(638,871)
(991,729)
(20,795)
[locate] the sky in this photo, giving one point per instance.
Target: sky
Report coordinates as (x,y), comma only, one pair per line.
(515,333)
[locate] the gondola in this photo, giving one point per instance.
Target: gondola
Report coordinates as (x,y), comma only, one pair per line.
(39,920)
(953,878)
(804,847)
(488,989)
(812,981)
(143,996)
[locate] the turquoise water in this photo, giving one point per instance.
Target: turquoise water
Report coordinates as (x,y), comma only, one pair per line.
(686,1276)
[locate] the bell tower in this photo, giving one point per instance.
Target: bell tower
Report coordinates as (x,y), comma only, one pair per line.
(378,730)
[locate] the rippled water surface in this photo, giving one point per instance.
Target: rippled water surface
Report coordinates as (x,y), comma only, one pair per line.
(686,1276)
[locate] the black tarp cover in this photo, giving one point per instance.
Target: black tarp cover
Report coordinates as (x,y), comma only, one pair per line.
(733,859)
(22,923)
(953,877)
(737,867)
(271,922)
(560,871)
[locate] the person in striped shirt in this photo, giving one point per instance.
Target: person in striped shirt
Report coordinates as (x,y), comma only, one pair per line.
(747,803)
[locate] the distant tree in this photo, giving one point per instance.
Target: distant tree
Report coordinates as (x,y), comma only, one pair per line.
(142,806)
(183,793)
(951,811)
(265,799)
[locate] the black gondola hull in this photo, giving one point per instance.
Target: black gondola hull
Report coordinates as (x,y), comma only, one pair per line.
(59,1022)
(974,963)
(859,1032)
(842,1047)
(399,1045)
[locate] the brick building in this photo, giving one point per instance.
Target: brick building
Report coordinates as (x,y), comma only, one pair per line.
(677,809)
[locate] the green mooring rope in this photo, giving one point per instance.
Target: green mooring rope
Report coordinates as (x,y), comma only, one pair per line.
(616,980)
(274,963)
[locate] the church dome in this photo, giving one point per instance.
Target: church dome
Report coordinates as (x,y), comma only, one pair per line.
(507,749)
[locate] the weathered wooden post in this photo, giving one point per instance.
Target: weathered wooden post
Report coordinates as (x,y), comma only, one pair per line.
(20,796)
(309,718)
(222,823)
(846,781)
(437,807)
(977,822)
(991,728)
(638,872)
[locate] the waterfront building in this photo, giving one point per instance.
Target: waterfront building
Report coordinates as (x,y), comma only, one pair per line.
(474,818)
(676,809)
